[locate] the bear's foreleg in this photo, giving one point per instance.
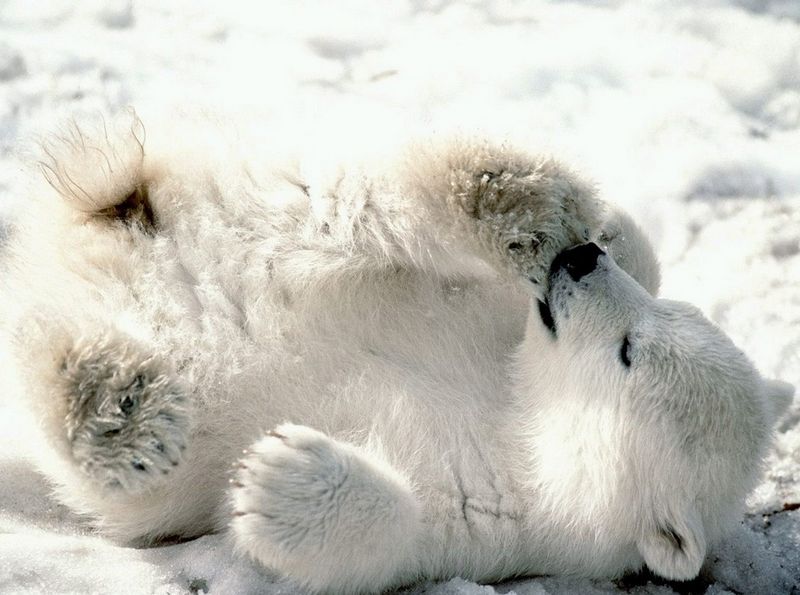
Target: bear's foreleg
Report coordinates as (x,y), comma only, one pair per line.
(325,513)
(512,210)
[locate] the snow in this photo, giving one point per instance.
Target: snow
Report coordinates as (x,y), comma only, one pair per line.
(687,113)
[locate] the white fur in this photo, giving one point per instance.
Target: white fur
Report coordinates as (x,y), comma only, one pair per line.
(160,294)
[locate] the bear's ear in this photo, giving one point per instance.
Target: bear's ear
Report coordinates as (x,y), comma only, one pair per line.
(676,546)
(779,396)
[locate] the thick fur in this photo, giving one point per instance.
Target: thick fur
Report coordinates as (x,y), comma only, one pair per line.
(348,367)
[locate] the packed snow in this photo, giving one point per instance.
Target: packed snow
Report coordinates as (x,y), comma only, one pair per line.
(687,113)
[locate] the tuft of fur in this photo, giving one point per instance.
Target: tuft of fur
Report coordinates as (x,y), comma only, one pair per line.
(94,164)
(392,318)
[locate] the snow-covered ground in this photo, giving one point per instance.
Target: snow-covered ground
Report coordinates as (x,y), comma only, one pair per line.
(685,112)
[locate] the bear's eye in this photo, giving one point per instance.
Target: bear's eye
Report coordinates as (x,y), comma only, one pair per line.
(624,352)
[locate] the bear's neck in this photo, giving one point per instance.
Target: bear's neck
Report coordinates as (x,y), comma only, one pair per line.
(571,440)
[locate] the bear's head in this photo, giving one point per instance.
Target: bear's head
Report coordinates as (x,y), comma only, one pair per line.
(649,423)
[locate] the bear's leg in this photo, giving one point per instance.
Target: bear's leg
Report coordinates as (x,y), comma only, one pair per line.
(325,513)
(111,407)
(514,211)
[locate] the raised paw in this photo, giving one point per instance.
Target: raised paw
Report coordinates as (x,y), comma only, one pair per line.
(303,503)
(522,209)
(528,211)
(127,416)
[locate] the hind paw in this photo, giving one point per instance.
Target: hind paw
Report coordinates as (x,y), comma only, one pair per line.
(127,413)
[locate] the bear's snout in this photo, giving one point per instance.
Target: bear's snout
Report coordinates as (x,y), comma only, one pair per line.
(577,261)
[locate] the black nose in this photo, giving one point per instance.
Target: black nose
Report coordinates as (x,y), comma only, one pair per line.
(578,261)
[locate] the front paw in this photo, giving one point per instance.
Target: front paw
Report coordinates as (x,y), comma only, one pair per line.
(127,413)
(529,210)
(289,488)
(304,503)
(522,210)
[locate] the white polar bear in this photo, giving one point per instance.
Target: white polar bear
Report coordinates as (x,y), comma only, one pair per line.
(491,395)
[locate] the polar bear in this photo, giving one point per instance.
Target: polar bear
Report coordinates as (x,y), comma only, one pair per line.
(449,363)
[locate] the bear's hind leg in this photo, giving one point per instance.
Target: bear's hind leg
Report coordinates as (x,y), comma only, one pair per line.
(127,416)
(114,409)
